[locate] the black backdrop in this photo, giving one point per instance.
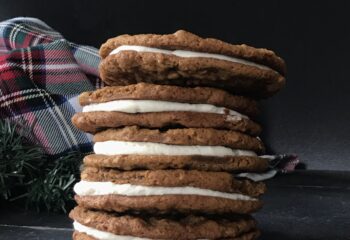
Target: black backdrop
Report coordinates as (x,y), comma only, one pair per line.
(310,117)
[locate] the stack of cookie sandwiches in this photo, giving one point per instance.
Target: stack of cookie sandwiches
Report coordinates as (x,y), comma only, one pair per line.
(173,132)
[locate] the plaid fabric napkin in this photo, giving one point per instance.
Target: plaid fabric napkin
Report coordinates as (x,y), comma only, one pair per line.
(41,75)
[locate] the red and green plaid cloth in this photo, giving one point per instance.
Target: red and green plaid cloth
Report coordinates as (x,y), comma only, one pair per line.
(41,75)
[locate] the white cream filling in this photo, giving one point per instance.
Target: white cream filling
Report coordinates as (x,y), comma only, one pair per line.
(85,188)
(101,235)
(257,177)
(144,106)
(188,54)
(149,148)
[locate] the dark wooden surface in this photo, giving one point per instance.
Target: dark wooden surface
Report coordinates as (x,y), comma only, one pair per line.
(302,205)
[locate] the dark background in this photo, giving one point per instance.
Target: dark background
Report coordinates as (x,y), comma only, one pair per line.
(310,117)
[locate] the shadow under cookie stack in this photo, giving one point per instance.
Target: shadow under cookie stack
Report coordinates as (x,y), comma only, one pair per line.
(172,134)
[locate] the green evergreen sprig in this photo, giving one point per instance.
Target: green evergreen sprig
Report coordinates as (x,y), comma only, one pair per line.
(53,188)
(19,160)
(26,172)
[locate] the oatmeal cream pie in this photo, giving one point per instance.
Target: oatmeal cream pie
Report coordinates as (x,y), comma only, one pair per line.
(155,191)
(205,149)
(100,225)
(162,106)
(185,59)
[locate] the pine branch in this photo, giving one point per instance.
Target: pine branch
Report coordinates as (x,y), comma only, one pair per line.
(19,161)
(53,190)
(26,172)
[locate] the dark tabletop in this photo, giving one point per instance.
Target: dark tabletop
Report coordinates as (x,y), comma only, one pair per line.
(309,117)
